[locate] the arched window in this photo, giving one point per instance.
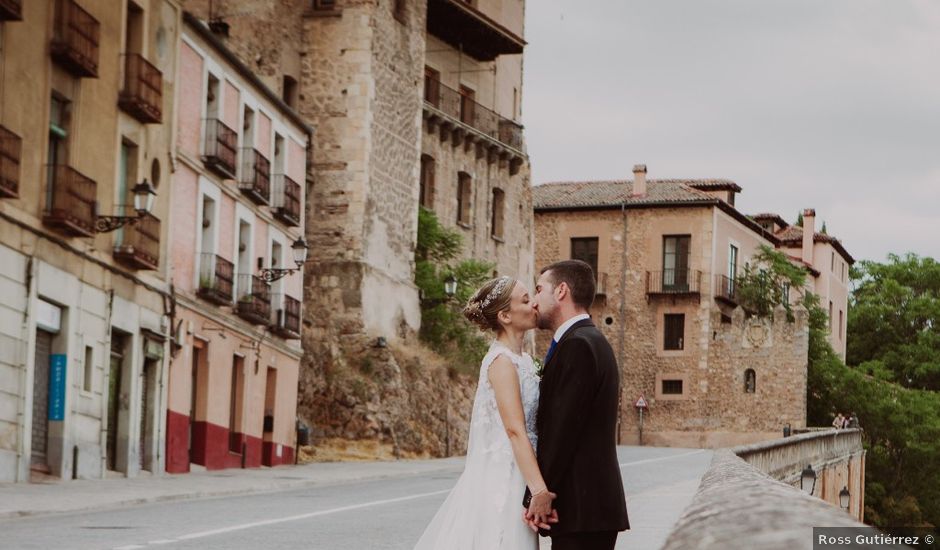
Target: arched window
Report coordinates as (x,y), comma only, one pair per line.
(750,381)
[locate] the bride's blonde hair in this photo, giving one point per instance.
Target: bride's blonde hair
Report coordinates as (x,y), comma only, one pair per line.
(486,303)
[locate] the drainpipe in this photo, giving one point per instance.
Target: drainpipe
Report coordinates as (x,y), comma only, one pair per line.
(623,316)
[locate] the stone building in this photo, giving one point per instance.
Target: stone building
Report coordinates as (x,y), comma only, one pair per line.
(414,102)
(237,210)
(666,253)
(87,92)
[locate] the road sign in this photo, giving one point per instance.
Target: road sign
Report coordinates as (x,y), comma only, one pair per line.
(641,403)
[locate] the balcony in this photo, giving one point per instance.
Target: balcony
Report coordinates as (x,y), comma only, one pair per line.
(254,300)
(75,40)
(255,180)
(726,290)
(463,120)
(673,282)
(140,244)
(142,96)
(11,10)
(216,279)
(286,200)
(221,148)
(470,30)
(11,148)
(287,317)
(71,201)
(601,289)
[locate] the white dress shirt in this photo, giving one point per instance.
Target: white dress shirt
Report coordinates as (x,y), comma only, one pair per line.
(567,324)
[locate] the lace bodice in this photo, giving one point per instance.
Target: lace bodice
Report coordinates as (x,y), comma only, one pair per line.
(487,432)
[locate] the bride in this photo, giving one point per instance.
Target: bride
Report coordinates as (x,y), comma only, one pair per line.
(482,511)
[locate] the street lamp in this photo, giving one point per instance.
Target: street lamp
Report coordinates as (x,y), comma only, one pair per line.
(450,286)
(299,250)
(143,204)
(844,497)
(808,480)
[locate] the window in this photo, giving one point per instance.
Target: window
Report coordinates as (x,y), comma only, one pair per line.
(843,272)
(59,111)
(585,249)
(289,91)
(672,387)
(427,182)
(515,103)
(127,178)
(248,124)
(830,316)
(89,368)
(324,5)
(841,322)
(750,381)
(467,104)
(464,194)
(674,331)
(133,39)
(676,261)
(496,222)
(399,10)
(832,268)
(212,97)
(432,86)
(732,266)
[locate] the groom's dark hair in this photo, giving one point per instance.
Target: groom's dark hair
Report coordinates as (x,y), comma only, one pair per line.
(578,276)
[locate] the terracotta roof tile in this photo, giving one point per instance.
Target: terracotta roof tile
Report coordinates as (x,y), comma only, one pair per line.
(585,194)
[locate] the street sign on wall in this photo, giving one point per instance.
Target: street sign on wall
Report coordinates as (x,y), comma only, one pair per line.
(57,386)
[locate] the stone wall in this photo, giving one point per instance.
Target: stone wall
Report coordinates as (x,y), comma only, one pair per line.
(740,504)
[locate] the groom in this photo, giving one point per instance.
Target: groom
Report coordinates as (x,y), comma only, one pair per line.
(577,415)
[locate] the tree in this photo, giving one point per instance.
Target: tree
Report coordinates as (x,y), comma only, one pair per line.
(767,281)
(443,327)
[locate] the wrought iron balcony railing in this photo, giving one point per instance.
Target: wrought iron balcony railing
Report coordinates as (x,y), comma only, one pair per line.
(71,203)
(216,278)
(142,96)
(673,281)
(75,40)
(11,149)
(462,108)
(140,244)
(286,199)
(254,300)
(221,148)
(726,289)
(287,316)
(11,10)
(255,181)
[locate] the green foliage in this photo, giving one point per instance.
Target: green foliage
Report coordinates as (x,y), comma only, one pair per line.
(894,321)
(443,327)
(799,219)
(766,280)
(902,425)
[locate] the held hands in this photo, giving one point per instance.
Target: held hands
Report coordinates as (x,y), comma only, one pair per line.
(540,513)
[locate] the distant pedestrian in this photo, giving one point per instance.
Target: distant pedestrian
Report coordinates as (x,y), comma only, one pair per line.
(839,422)
(853,421)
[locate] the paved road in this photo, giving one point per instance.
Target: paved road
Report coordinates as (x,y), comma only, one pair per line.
(377,514)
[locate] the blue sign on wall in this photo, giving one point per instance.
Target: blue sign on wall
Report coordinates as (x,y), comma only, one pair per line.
(57,387)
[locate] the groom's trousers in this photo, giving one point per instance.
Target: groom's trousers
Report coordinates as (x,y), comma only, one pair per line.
(602,540)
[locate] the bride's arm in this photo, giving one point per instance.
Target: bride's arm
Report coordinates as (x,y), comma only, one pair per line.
(505,382)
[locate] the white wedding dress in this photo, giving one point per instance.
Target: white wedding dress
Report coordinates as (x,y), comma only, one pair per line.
(484,509)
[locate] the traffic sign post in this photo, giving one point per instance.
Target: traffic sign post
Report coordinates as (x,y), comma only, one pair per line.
(641,406)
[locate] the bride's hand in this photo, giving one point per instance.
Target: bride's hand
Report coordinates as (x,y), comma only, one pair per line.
(540,509)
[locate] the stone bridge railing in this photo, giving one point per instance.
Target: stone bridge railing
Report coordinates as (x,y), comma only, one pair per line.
(750,496)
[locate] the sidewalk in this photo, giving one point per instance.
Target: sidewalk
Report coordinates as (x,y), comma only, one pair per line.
(56,497)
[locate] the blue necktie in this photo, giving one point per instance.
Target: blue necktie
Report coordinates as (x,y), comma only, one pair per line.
(551,349)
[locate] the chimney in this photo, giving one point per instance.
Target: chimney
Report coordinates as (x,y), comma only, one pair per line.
(639,180)
(809,234)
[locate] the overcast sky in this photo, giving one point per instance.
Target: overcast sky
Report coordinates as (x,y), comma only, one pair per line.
(825,104)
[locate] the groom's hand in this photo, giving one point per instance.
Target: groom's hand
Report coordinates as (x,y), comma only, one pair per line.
(540,507)
(534,525)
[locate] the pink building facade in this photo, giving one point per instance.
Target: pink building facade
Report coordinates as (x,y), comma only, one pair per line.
(237,208)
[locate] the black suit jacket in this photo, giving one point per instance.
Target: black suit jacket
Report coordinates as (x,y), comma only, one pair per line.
(577,440)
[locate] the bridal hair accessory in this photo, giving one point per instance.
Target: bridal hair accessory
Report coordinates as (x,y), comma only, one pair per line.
(475,309)
(497,290)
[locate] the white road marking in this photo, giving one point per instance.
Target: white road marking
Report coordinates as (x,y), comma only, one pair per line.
(308,515)
(648,460)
